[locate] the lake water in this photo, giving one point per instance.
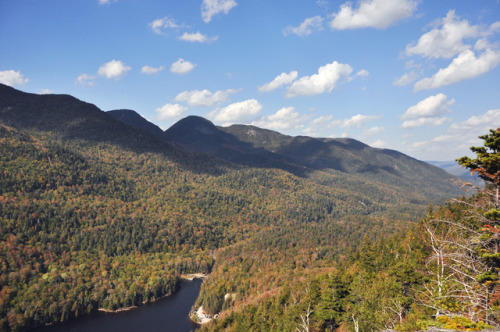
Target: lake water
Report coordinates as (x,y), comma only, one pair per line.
(169,314)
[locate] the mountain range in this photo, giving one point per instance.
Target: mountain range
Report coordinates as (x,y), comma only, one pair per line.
(106,210)
(301,155)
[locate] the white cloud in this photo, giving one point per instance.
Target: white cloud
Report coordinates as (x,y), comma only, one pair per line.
(494,27)
(317,126)
(373,131)
(378,14)
(325,80)
(159,25)
(459,136)
(305,28)
(355,121)
(428,112)
(284,119)
(45,92)
(435,121)
(278,81)
(197,37)
(210,8)
(113,69)
(378,144)
(203,98)
(12,78)
(465,66)
(446,41)
(85,79)
(479,123)
(151,70)
(105,2)
(239,112)
(363,73)
(169,111)
(182,66)
(430,107)
(406,79)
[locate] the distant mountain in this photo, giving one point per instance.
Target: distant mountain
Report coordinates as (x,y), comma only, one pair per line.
(456,170)
(334,162)
(67,118)
(304,155)
(195,133)
(134,119)
(70,118)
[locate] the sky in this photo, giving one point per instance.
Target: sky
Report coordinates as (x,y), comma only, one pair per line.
(418,76)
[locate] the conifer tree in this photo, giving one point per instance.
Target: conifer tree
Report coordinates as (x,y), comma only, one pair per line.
(487,163)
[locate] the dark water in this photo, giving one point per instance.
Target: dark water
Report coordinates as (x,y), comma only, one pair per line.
(169,314)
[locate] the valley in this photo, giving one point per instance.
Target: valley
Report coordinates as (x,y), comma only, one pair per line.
(97,213)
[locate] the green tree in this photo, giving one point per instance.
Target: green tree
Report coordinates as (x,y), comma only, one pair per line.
(487,163)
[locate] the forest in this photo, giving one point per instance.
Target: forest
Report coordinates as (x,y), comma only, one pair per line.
(443,272)
(111,218)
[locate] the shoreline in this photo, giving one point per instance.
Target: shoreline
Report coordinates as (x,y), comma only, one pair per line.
(189,277)
(192,276)
(199,317)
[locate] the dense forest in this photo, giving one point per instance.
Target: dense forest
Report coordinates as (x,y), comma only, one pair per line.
(443,272)
(95,215)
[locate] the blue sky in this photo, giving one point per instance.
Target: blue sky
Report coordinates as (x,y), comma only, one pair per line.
(418,76)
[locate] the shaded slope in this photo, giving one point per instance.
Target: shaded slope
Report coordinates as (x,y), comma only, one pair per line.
(69,118)
(352,157)
(66,118)
(195,133)
(134,119)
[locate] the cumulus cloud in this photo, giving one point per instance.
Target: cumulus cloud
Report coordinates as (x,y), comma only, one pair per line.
(151,70)
(182,66)
(467,44)
(85,79)
(204,98)
(284,119)
(238,112)
(429,107)
(113,69)
(305,28)
(355,121)
(445,41)
(160,25)
(479,123)
(197,37)
(465,66)
(325,80)
(378,14)
(169,111)
(281,79)
(210,8)
(459,136)
(12,78)
(406,79)
(45,92)
(428,112)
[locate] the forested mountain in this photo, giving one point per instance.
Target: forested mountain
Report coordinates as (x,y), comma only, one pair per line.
(135,120)
(95,213)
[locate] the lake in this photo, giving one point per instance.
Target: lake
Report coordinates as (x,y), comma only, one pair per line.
(168,314)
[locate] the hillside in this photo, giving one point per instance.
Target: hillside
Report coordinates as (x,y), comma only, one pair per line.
(306,156)
(133,119)
(97,214)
